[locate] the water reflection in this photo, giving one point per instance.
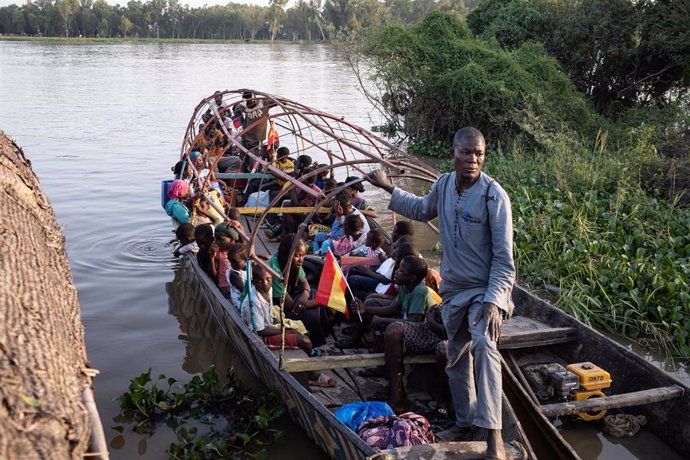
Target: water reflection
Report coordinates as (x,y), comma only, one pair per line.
(205,342)
(591,444)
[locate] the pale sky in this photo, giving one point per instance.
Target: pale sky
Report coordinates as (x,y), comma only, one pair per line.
(192,3)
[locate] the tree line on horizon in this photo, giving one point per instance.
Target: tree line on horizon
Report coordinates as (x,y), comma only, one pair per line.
(306,20)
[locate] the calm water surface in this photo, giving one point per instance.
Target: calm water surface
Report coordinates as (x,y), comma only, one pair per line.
(102,124)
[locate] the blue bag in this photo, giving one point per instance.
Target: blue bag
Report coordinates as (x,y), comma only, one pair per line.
(355,413)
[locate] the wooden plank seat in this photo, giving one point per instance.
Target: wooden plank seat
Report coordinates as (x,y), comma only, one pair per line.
(522,332)
(347,361)
(636,398)
(290,353)
(243,175)
(286,210)
(516,332)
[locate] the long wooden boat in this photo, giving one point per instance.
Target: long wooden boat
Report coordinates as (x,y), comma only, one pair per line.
(346,149)
(538,333)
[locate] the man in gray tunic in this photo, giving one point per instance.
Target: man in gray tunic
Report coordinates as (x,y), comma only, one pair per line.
(476,231)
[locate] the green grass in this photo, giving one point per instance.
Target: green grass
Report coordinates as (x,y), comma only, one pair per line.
(583,222)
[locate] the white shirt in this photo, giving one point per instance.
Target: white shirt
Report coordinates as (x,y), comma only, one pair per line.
(260,308)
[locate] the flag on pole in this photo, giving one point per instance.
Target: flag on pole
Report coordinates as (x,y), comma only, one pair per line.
(332,286)
(272,136)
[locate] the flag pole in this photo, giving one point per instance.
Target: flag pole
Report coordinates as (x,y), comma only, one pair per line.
(348,286)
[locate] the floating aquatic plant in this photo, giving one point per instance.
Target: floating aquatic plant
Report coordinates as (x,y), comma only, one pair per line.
(211,419)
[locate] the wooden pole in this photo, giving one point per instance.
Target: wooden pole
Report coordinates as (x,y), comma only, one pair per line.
(637,398)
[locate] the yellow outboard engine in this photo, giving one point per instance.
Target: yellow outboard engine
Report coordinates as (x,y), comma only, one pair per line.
(592,380)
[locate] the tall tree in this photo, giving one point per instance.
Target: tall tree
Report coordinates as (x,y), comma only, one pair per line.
(621,53)
(255,19)
(340,13)
(126,26)
(67,10)
(157,8)
(175,12)
(276,13)
(299,18)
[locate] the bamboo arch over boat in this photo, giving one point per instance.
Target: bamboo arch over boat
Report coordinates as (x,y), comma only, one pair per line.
(343,145)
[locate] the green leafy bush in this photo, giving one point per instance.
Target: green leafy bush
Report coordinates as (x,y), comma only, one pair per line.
(620,53)
(435,77)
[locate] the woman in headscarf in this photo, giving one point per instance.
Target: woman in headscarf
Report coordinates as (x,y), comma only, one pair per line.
(297,292)
(174,207)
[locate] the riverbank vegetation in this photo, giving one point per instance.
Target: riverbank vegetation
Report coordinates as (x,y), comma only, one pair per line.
(597,171)
(210,419)
(169,19)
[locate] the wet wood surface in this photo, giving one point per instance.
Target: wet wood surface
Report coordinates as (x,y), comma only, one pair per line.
(472,450)
(637,398)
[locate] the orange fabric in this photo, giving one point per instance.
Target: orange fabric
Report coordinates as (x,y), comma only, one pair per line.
(274,340)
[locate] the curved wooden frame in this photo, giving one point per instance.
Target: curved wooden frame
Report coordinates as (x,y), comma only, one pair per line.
(299,120)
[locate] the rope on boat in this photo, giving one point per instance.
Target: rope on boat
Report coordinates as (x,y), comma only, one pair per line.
(623,425)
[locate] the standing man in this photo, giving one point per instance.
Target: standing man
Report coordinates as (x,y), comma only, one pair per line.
(476,231)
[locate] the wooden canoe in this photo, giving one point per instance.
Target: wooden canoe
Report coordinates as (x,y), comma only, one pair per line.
(348,149)
(638,386)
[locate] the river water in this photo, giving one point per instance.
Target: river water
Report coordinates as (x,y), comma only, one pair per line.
(102,124)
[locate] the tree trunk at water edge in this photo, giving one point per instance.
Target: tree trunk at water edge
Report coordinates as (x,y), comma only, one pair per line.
(43,366)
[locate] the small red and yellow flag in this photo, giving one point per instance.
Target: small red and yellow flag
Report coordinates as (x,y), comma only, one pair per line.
(272,137)
(332,286)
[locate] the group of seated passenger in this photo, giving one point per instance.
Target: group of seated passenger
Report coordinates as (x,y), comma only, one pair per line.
(392,296)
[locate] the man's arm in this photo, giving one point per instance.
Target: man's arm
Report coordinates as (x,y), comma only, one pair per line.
(422,209)
(502,272)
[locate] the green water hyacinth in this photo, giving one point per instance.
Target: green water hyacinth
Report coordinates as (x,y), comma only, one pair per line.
(210,419)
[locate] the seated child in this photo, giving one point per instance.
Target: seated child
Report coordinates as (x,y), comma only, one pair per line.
(302,163)
(321,177)
(225,236)
(257,312)
(403,338)
(175,207)
(234,214)
(329,184)
(284,163)
(203,235)
(357,201)
(372,246)
(410,303)
(341,208)
(376,287)
(185,235)
(413,297)
(401,229)
(353,238)
(298,198)
(237,273)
